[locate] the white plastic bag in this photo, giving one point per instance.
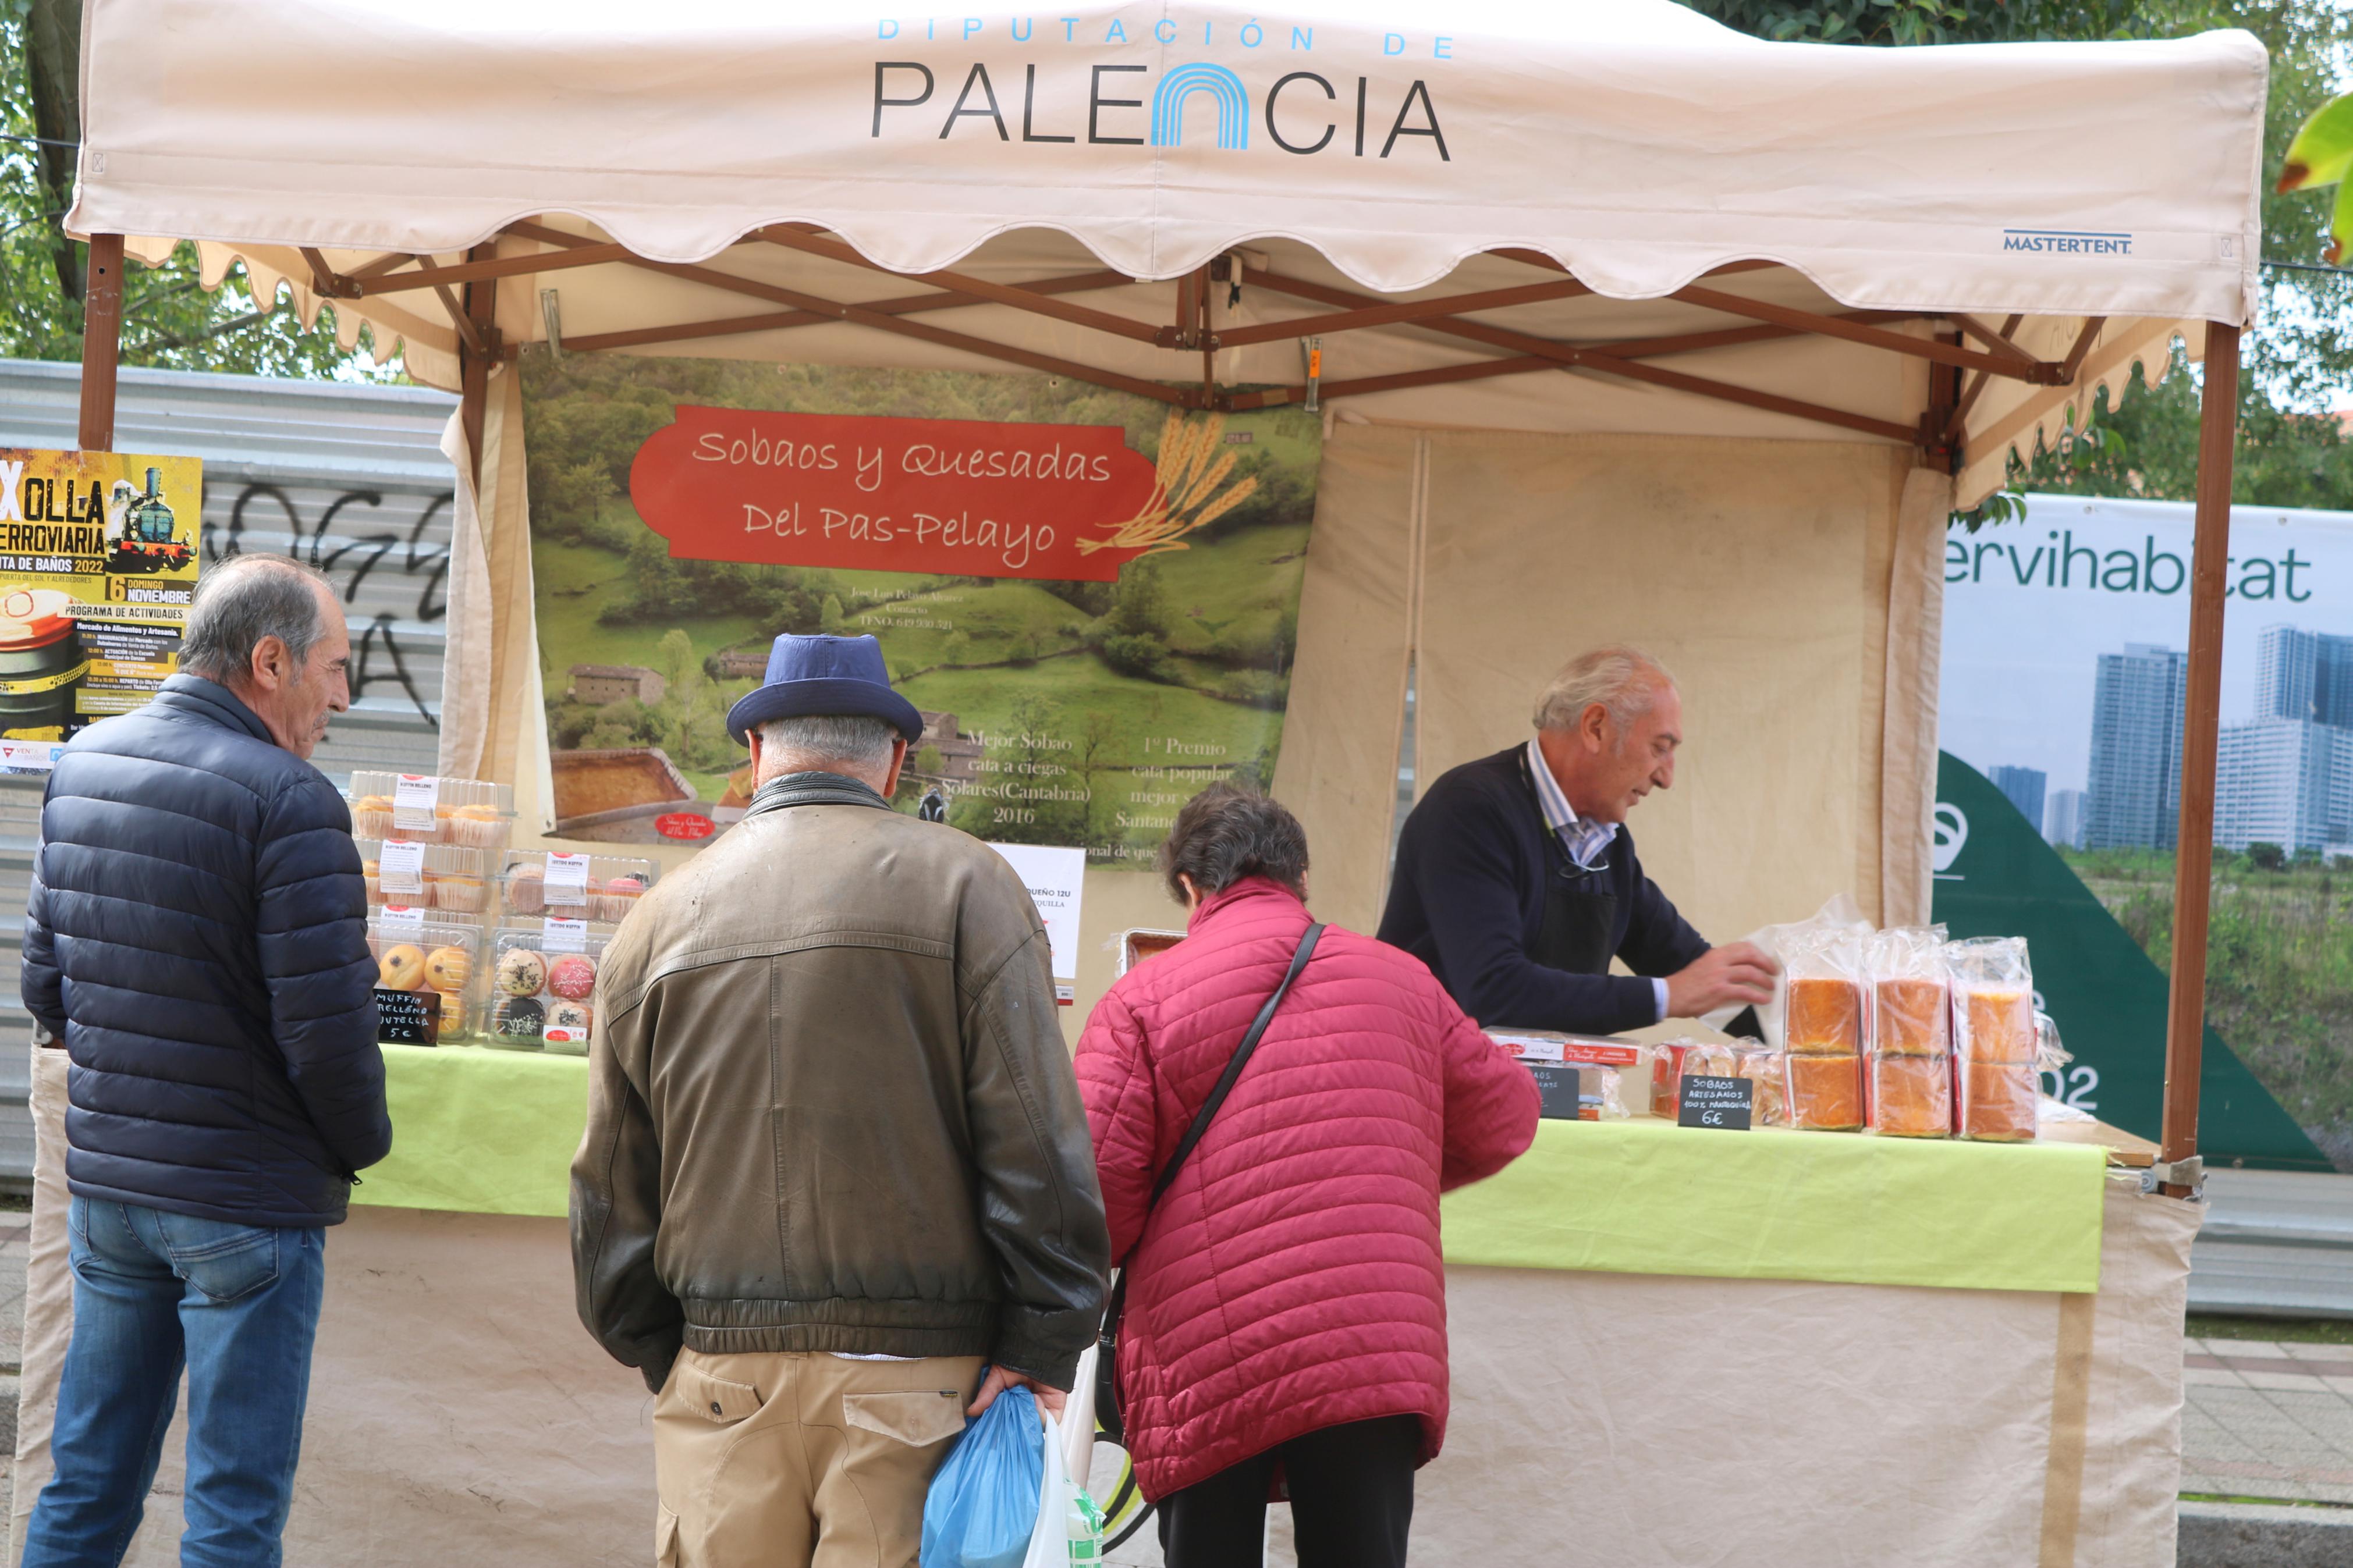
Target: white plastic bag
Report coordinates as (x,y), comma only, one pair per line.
(1049,1542)
(1840,913)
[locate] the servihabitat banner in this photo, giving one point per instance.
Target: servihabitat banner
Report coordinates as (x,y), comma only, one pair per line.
(98,552)
(2065,671)
(1092,600)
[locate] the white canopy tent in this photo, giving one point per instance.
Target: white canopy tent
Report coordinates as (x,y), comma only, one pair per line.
(1630,327)
(1611,218)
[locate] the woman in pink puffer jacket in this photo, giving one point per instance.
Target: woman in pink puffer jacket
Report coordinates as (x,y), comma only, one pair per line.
(1286,1303)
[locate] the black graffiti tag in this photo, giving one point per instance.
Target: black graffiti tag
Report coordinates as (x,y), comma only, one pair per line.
(336,547)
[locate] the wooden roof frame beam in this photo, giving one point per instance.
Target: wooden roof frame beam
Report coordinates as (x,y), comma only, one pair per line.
(783,321)
(793,236)
(2040,373)
(865,316)
(1565,356)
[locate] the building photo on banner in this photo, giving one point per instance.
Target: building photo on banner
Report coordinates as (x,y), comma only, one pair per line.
(2065,671)
(99,553)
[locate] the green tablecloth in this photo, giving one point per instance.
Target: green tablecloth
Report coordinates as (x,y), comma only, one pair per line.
(1645,1196)
(491,1132)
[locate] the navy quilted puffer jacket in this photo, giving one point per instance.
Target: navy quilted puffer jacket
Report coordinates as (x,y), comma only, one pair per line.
(197,937)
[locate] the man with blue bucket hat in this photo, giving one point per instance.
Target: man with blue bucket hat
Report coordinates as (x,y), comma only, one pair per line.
(836,1159)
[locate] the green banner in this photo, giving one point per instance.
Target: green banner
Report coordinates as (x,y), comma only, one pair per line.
(1997,877)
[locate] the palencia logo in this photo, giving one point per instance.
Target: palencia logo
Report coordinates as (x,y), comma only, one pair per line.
(1304,112)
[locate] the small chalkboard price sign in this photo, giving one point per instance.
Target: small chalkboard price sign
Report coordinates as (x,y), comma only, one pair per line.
(1559,1086)
(407,1017)
(1720,1102)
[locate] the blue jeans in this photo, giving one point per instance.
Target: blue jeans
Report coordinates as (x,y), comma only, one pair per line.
(238,1306)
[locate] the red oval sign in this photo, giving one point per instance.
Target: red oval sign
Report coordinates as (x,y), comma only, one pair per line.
(876,492)
(684,825)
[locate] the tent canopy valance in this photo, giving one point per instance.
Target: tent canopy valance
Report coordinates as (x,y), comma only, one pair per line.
(1548,241)
(1488,192)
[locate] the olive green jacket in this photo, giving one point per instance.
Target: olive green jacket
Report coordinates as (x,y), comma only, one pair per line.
(830,1106)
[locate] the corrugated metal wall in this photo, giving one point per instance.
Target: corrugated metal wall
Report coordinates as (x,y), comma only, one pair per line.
(349,478)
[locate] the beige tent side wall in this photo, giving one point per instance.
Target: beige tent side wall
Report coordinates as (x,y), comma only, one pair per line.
(1759,572)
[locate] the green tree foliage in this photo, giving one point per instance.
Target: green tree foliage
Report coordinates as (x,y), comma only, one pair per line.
(1905,22)
(169,318)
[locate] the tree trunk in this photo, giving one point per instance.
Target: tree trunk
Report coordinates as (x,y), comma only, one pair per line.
(53,64)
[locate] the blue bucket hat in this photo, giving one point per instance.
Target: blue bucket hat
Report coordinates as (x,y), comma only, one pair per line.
(824,674)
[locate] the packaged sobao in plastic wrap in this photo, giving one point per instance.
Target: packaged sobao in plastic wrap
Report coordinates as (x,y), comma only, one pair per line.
(1998,1100)
(1761,1066)
(1912,993)
(1825,1093)
(1824,1008)
(1911,1096)
(1993,1000)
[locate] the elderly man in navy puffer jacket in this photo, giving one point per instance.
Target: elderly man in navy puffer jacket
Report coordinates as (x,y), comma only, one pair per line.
(197,938)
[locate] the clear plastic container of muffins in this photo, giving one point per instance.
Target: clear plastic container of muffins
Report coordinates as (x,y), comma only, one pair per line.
(540,993)
(428,976)
(440,876)
(580,886)
(473,813)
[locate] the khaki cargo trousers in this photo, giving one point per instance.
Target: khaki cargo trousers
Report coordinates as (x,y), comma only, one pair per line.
(800,1461)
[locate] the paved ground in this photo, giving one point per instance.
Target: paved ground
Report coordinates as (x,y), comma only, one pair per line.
(13,1228)
(2268,1420)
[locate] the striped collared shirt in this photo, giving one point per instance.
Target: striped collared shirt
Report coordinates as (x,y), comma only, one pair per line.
(1585,839)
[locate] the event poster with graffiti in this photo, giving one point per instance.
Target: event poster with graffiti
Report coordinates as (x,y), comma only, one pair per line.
(99,554)
(1093,599)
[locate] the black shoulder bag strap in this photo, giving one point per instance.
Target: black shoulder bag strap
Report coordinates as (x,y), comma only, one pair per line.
(1107,1414)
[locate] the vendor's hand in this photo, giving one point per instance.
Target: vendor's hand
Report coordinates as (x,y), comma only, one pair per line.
(1737,972)
(1050,1399)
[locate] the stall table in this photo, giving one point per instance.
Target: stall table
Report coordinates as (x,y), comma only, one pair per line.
(1664,1341)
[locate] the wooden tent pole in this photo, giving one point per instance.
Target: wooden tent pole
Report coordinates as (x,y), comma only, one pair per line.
(2185,1031)
(102,341)
(480,310)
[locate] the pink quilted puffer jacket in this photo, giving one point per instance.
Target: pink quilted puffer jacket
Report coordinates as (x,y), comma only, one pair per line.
(1290,1279)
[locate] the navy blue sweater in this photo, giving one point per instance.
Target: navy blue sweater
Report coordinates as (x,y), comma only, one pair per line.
(197,937)
(1468,899)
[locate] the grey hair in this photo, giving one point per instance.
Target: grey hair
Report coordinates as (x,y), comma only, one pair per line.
(807,739)
(241,602)
(1625,680)
(1225,833)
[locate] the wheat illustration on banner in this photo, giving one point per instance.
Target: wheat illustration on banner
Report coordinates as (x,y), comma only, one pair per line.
(1185,493)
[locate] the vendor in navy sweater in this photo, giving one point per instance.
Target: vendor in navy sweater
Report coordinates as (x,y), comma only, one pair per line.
(1517,883)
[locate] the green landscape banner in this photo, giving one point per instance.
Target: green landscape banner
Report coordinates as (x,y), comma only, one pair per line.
(1092,598)
(1997,877)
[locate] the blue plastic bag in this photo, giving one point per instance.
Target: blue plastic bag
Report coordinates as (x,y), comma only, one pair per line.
(983,1504)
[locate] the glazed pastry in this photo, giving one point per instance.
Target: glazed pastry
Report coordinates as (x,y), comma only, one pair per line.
(1913,1018)
(371,817)
(572,977)
(1825,1093)
(1912,1096)
(1999,1027)
(446,968)
(519,1018)
(401,968)
(1997,1101)
(527,890)
(1825,1016)
(522,972)
(569,1015)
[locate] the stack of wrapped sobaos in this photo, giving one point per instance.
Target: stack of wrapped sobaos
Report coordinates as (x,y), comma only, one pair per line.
(1910,1035)
(1899,1033)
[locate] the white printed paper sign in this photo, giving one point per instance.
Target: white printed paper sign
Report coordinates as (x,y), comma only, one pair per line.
(1055,878)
